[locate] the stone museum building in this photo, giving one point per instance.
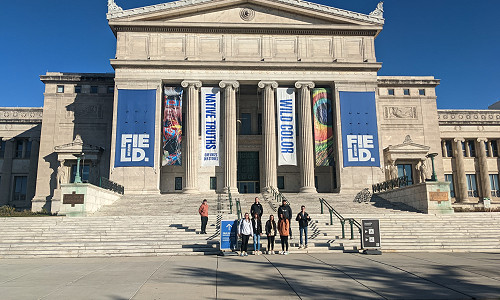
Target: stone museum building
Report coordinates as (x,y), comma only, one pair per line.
(243,96)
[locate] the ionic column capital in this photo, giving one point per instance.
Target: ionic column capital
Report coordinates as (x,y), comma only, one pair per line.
(229,83)
(456,140)
(481,139)
(304,84)
(191,83)
(270,84)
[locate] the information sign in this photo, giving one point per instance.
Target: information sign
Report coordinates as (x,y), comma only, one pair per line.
(370,234)
(228,238)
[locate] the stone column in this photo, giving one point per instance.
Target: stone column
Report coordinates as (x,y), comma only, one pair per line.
(461,189)
(269,135)
(306,145)
(31,185)
(483,168)
(230,148)
(490,148)
(191,152)
(443,148)
(5,185)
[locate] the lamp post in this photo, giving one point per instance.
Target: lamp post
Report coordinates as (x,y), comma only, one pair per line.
(78,178)
(434,176)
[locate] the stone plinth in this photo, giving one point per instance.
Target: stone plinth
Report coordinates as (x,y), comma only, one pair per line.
(94,198)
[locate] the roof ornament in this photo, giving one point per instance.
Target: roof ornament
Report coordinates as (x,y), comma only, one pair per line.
(407,140)
(379,11)
(113,7)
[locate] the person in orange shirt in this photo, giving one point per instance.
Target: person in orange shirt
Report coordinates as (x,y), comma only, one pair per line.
(203,211)
(284,230)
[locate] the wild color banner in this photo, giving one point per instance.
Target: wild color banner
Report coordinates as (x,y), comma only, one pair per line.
(210,120)
(135,128)
(287,149)
(359,129)
(323,126)
(172,126)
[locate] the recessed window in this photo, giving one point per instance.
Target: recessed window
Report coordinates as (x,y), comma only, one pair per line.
(213,183)
(60,88)
(246,124)
(421,92)
(495,190)
(390,92)
(406,92)
(78,89)
(448,150)
(93,89)
(281,182)
(471,185)
(111,89)
(19,148)
(494,148)
(178,183)
(20,183)
(472,148)
(449,178)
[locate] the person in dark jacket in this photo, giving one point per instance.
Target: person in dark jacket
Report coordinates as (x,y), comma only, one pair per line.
(257,232)
(303,218)
(286,211)
(256,208)
(271,231)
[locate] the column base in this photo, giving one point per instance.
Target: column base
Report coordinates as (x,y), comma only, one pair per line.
(190,191)
(308,190)
(233,191)
(268,190)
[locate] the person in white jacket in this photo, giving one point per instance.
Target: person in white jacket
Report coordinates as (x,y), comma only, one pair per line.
(245,230)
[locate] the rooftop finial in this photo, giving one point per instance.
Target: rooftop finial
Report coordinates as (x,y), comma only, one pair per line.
(113,7)
(379,11)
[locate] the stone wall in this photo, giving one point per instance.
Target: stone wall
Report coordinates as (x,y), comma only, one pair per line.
(94,198)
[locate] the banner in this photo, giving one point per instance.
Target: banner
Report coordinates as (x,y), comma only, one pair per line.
(172,126)
(287,141)
(210,119)
(323,127)
(135,128)
(359,129)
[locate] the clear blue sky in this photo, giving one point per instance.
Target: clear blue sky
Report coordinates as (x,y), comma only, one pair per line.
(457,41)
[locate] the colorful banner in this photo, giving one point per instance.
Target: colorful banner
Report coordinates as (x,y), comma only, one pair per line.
(323,127)
(135,128)
(287,141)
(210,119)
(172,127)
(358,115)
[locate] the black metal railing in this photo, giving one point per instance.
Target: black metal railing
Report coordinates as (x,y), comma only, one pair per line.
(107,184)
(238,207)
(333,212)
(390,184)
(278,196)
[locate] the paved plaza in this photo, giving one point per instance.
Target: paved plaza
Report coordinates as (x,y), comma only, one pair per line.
(296,276)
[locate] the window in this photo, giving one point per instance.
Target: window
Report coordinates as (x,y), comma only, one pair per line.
(463,149)
(19,149)
(449,178)
(78,89)
(60,88)
(421,92)
(406,170)
(111,89)
(246,124)
(495,191)
(448,149)
(213,183)
(406,92)
(178,183)
(84,173)
(472,148)
(94,89)
(390,92)
(494,148)
(281,182)
(27,151)
(471,185)
(20,187)
(486,148)
(2,149)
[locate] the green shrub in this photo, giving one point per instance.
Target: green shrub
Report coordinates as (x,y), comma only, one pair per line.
(9,211)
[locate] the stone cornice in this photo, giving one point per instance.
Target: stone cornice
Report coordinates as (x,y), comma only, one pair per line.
(407,81)
(310,6)
(21,114)
(468,117)
(51,77)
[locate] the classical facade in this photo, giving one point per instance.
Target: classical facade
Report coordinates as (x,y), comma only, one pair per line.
(297,106)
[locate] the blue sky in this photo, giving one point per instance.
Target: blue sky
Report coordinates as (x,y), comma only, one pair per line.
(457,41)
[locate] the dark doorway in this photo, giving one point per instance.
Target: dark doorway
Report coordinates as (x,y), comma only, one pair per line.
(248,172)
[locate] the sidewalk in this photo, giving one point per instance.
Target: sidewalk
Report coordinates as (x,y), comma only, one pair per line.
(296,276)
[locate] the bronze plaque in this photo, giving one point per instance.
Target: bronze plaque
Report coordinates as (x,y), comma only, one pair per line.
(73,198)
(438,196)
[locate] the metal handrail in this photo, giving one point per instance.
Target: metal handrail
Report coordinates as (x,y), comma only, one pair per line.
(390,184)
(333,212)
(278,196)
(107,184)
(238,207)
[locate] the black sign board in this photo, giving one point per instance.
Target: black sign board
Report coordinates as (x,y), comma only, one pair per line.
(370,234)
(73,199)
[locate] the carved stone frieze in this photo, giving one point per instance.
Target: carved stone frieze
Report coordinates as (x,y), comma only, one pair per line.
(84,111)
(400,112)
(21,115)
(469,117)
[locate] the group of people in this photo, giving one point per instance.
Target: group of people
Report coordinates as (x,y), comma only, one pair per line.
(253,227)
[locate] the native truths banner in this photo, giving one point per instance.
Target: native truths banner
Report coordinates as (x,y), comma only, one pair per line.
(210,119)
(135,128)
(172,127)
(323,127)
(359,129)
(287,155)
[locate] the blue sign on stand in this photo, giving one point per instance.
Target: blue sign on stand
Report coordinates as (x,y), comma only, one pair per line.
(228,230)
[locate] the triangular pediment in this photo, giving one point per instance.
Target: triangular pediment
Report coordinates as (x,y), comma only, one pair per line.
(77,147)
(286,12)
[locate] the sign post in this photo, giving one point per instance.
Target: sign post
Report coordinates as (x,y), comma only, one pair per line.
(228,236)
(370,237)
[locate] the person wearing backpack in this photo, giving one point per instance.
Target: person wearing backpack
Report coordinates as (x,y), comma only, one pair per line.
(257,233)
(284,230)
(245,230)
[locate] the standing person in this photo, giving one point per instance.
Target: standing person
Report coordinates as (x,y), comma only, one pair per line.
(245,230)
(257,233)
(256,208)
(284,230)
(286,211)
(303,219)
(203,211)
(271,230)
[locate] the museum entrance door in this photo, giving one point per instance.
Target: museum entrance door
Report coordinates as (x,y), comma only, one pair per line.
(248,172)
